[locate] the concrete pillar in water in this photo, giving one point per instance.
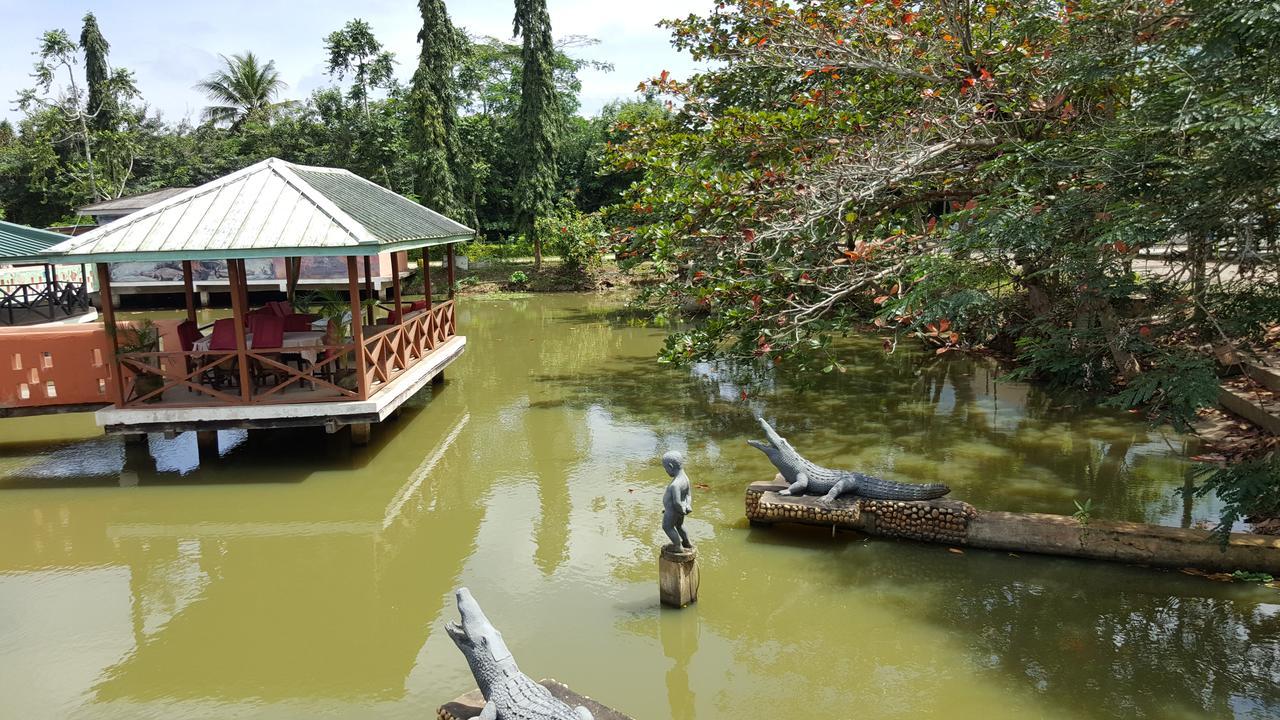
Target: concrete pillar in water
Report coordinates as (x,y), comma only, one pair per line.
(438,379)
(207,443)
(678,576)
(360,433)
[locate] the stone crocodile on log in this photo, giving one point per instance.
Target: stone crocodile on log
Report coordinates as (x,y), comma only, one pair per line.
(805,478)
(509,694)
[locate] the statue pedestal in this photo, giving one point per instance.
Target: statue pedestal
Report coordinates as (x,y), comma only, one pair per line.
(678,576)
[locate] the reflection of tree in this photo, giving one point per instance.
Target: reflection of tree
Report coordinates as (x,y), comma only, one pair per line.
(909,416)
(1128,643)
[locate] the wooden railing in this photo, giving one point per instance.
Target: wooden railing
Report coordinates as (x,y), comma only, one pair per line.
(391,352)
(46,300)
(214,377)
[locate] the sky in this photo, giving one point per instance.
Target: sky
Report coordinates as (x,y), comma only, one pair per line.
(173,44)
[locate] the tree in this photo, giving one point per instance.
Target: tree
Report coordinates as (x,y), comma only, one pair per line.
(102,102)
(967,175)
(434,132)
(244,88)
(354,50)
(536,127)
(65,117)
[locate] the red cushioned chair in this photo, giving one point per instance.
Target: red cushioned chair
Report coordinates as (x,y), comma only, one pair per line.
(418,305)
(224,338)
(299,322)
(188,334)
(281,308)
(268,334)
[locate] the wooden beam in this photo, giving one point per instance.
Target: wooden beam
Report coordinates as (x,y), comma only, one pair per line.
(244,283)
(238,310)
(357,332)
(189,290)
(452,271)
(368,285)
(109,324)
(426,274)
(395,285)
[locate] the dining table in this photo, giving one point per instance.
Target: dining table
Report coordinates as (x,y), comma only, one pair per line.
(307,344)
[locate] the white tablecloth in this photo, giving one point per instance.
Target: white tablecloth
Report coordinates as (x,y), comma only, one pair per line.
(291,340)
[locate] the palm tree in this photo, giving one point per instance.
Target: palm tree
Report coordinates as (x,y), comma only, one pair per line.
(245,87)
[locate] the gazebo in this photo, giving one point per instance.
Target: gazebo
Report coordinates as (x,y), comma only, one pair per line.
(34,292)
(272,366)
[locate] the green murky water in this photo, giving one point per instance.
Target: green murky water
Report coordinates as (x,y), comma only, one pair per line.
(298,577)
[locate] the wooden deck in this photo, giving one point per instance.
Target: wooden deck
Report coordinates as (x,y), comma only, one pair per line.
(174,410)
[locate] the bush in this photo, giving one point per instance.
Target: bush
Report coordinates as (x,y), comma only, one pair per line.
(577,238)
(519,278)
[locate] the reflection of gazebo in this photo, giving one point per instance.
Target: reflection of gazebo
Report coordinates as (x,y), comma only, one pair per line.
(239,377)
(33,293)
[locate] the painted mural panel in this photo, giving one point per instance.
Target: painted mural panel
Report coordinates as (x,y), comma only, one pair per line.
(170,271)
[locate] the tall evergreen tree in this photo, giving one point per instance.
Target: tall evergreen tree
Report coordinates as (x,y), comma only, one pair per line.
(102,102)
(536,125)
(434,136)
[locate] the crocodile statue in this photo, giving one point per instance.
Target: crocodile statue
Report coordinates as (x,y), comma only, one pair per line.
(805,478)
(508,693)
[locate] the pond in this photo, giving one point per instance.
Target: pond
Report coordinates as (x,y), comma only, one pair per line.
(296,576)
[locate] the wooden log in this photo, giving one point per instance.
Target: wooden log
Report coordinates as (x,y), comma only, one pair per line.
(958,523)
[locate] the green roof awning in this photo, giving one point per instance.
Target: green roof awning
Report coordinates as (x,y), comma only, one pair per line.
(20,241)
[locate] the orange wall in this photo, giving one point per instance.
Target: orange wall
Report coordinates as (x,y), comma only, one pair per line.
(62,365)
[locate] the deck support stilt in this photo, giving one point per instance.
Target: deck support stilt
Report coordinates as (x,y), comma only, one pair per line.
(438,379)
(360,433)
(207,443)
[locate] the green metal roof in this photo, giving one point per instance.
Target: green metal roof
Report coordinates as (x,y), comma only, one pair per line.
(386,215)
(19,240)
(270,209)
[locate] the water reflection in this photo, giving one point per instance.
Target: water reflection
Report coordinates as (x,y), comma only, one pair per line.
(294,575)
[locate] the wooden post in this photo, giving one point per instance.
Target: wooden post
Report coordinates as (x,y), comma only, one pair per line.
(244,284)
(238,296)
(678,576)
(109,324)
(369,287)
(395,286)
(357,332)
(292,268)
(51,286)
(452,271)
(188,288)
(426,274)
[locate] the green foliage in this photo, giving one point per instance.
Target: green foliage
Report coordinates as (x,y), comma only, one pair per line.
(355,51)
(102,101)
(1171,388)
(245,88)
(1083,513)
(537,123)
(577,238)
(441,171)
(1253,577)
(1246,489)
(519,278)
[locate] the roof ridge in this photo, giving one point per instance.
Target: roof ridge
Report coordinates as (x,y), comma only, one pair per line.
(354,228)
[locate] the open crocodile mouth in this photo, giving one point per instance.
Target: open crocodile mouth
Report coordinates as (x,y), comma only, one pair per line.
(458,633)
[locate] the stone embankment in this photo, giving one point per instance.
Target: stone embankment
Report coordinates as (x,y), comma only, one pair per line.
(957,523)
